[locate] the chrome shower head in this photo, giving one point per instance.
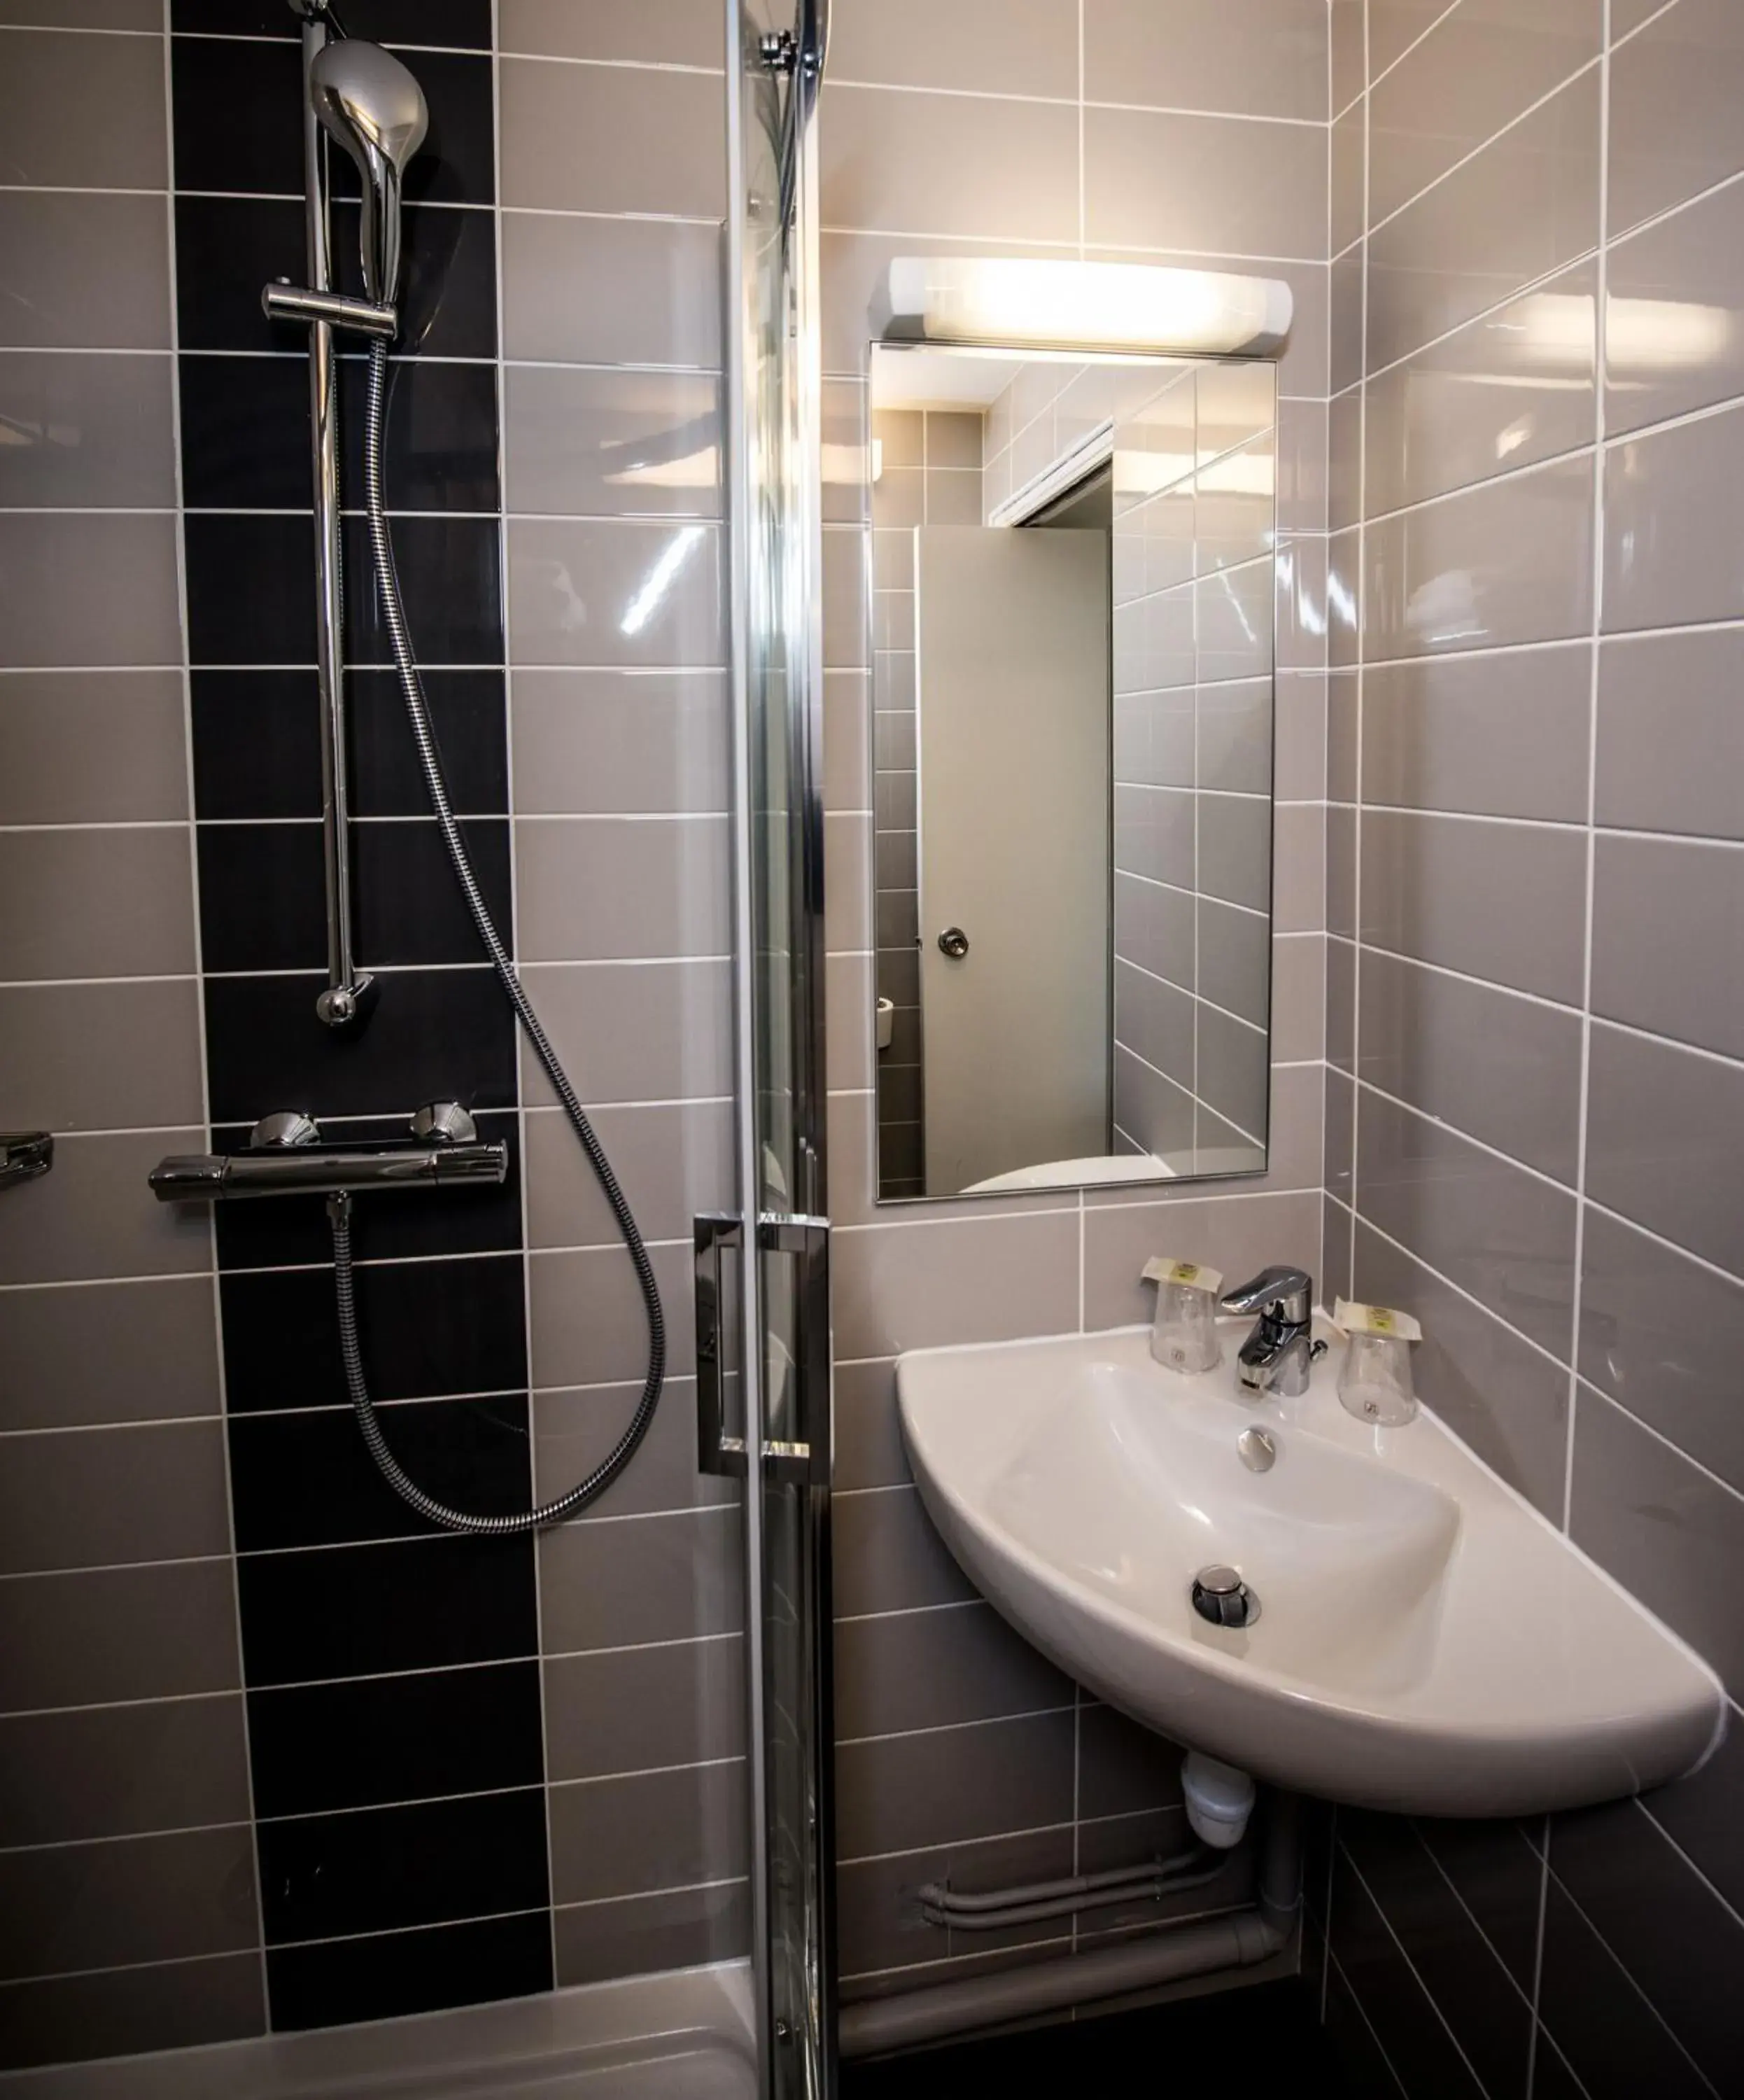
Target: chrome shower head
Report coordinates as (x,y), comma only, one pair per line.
(375,109)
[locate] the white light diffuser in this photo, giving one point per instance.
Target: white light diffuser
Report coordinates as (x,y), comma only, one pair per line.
(1117,306)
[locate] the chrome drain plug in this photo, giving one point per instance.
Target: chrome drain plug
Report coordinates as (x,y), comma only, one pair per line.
(1220,1595)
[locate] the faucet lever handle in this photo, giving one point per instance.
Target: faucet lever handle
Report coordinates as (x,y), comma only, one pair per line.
(1289,1289)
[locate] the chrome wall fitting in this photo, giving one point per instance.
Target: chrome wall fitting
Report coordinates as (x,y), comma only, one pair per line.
(282,301)
(443,1123)
(286,1157)
(25,1155)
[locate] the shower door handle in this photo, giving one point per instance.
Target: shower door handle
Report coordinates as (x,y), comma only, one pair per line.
(716,1233)
(804,1459)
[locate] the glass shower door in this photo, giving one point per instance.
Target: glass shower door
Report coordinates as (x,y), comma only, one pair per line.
(774,68)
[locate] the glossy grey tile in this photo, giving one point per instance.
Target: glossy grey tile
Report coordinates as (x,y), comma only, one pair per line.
(900,1792)
(1240,1238)
(1487,1226)
(1476,71)
(1515,386)
(661,1578)
(87,431)
(1664,1140)
(610,291)
(882,1931)
(1234,848)
(641,1710)
(1503,1069)
(51,721)
(610,593)
(583,443)
(575,1429)
(1268,60)
(95,903)
(1123,1769)
(1674,504)
(598,743)
(1447,890)
(886,1557)
(1675,314)
(1487,735)
(88,1497)
(111,1772)
(108,1353)
(1674,100)
(634,1935)
(1661,697)
(986,46)
(84,271)
(640,1031)
(921,1284)
(49,614)
(1348,25)
(124,1633)
(672,1162)
(83,14)
(1701,1814)
(1507,1400)
(610,139)
(79,111)
(1522,208)
(1153,179)
(1348,180)
(679,33)
(899,162)
(103,1056)
(587,1323)
(1689,985)
(125,2012)
(937,1669)
(1598,2020)
(1506,562)
(658,1830)
(88,1218)
(1671,1535)
(1658,1335)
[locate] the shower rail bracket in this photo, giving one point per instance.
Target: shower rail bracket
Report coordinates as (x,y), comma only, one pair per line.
(25,1155)
(285,1157)
(282,301)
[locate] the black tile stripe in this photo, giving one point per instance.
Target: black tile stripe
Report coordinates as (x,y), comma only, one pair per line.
(387,1665)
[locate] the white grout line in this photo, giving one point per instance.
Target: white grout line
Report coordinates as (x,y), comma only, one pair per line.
(1404,1956)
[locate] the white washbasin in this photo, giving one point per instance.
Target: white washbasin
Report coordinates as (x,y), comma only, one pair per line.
(1425,1642)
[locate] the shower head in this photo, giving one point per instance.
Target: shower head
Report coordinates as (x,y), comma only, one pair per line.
(375,109)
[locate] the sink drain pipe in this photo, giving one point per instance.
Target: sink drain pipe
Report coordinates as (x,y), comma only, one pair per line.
(1202,1946)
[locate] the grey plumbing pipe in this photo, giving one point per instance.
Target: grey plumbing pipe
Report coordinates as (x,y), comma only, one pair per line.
(1205,1947)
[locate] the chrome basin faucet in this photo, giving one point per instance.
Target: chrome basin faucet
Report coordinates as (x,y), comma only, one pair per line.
(1276,1356)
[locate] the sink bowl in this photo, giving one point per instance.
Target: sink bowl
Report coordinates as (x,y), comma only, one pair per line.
(1424,1642)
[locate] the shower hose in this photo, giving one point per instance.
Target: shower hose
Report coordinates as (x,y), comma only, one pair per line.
(339,1208)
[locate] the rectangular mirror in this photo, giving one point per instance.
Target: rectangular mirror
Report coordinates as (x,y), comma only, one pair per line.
(1072,664)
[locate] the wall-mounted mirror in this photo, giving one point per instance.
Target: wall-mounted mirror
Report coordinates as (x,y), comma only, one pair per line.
(1072,650)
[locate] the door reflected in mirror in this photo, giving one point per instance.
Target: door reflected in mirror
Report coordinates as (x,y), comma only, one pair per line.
(1072,580)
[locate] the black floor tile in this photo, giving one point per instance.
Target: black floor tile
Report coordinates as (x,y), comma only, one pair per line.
(366,1611)
(377,1739)
(429,1327)
(337,1981)
(257,744)
(464,23)
(429,1035)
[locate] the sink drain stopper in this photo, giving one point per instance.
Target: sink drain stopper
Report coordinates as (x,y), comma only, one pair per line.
(1220,1595)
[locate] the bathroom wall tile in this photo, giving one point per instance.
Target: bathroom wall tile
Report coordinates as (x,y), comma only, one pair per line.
(1233,1068)
(900,1792)
(886,1557)
(1690,988)
(1123,1769)
(1341,871)
(589,1326)
(1026,48)
(574,1430)
(1509,562)
(1268,60)
(51,721)
(901,162)
(1672,508)
(638,1709)
(453,24)
(1496,1871)
(114,1772)
(1674,89)
(84,272)
(880,1930)
(1347,298)
(1348,28)
(1657,1333)
(602,291)
(1345,463)
(1489,1228)
(1700,1815)
(661,1578)
(937,1669)
(82,14)
(1234,849)
(1341,1004)
(1301,466)
(108,1353)
(120,1634)
(1361,2059)
(1240,1238)
(1349,178)
(160,1898)
(672,869)
(88,1217)
(869,1450)
(124,2012)
(1475,72)
(640,1031)
(600,138)
(655,1830)
(1671,1535)
(1418,2047)
(633,1935)
(1444,890)
(1487,399)
(686,34)
(101,1056)
(1522,208)
(48,616)
(1162,180)
(1683,273)
(673,1162)
(1662,1144)
(382,1976)
(1341,1151)
(1493,736)
(924,1284)
(610,593)
(1503,1069)
(114,1497)
(1394,26)
(87,432)
(612,444)
(1679,1942)
(1662,696)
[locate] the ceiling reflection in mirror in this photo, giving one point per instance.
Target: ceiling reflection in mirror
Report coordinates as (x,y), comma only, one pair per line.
(1071,613)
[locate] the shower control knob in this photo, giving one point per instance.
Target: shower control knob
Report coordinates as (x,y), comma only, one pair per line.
(954,942)
(443,1123)
(279,1131)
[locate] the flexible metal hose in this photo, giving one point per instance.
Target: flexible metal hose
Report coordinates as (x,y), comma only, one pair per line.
(339,1208)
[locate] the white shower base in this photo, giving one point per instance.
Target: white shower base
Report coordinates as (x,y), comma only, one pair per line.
(683,2035)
